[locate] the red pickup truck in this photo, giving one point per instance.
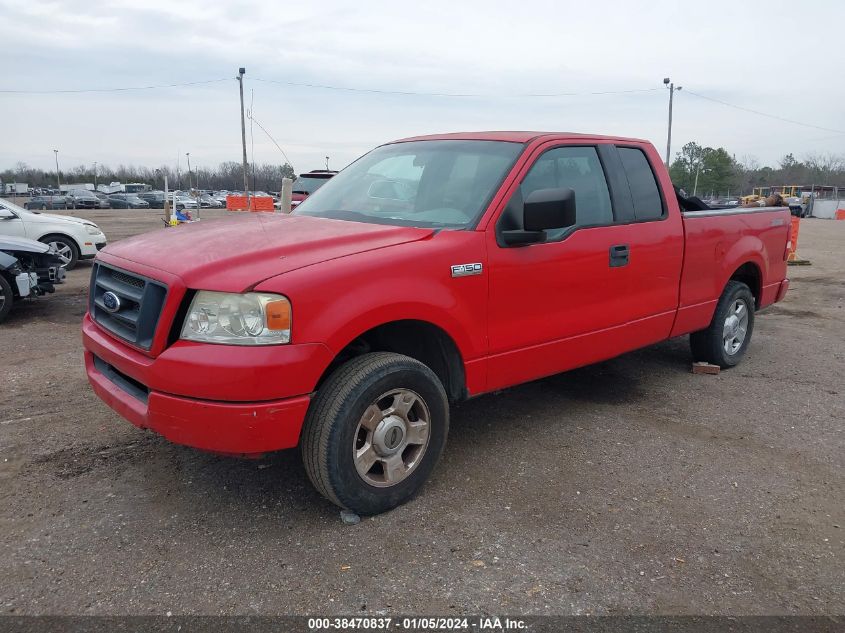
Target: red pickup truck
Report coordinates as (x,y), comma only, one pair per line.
(431,270)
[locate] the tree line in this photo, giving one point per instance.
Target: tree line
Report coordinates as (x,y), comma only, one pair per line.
(703,170)
(227,175)
(709,171)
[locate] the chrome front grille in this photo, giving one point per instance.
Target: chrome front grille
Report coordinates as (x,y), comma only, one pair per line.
(126,304)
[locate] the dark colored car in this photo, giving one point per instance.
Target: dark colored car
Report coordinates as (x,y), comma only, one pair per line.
(155,199)
(103,198)
(127,201)
(308,183)
(82,199)
(43,203)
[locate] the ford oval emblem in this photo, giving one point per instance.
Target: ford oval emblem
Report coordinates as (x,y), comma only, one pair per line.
(111,302)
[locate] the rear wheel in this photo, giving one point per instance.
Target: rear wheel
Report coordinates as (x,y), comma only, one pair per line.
(6,298)
(66,249)
(375,431)
(727,337)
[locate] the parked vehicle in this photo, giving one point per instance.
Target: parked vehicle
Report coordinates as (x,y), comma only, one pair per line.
(430,270)
(103,199)
(155,199)
(307,184)
(207,202)
(27,269)
(46,202)
(127,201)
(82,199)
(72,238)
(181,202)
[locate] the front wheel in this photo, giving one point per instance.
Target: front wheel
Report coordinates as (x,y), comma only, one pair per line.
(375,431)
(66,249)
(727,337)
(6,298)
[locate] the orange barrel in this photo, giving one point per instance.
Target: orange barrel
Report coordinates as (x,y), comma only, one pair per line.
(793,239)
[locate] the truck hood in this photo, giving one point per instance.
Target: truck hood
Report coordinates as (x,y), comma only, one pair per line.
(235,254)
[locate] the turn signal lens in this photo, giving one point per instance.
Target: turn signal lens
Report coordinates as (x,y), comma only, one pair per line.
(278,315)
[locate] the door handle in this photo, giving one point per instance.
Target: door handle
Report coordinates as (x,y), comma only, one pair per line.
(619,255)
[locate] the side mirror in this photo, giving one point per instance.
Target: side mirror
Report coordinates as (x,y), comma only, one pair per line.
(544,209)
(549,209)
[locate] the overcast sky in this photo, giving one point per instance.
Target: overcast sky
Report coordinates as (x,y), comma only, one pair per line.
(782,58)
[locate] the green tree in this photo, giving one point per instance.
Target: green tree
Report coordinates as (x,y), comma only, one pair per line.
(705,171)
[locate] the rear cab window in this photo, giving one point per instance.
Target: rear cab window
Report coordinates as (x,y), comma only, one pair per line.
(645,193)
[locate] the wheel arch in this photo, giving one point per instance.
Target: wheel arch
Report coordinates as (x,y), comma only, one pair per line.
(750,274)
(50,234)
(422,340)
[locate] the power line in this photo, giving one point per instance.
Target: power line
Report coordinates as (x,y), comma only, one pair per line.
(52,92)
(447,94)
(254,120)
(765,114)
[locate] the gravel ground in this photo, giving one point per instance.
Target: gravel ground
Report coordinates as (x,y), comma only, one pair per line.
(628,487)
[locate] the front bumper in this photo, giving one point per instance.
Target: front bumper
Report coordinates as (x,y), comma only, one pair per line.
(212,397)
(241,428)
(89,248)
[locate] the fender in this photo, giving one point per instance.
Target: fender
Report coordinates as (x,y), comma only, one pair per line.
(748,249)
(346,322)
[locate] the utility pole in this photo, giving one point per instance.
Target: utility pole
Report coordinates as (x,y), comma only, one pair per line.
(697,172)
(188,154)
(166,196)
(671,86)
(240,78)
(58,180)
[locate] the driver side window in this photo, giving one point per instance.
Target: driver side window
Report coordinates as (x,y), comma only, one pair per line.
(576,168)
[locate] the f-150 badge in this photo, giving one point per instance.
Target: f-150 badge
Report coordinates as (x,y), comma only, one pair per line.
(464,270)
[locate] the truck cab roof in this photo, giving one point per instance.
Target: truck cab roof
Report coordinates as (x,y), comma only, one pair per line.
(516,137)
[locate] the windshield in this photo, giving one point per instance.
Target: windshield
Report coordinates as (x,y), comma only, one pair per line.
(444,184)
(308,184)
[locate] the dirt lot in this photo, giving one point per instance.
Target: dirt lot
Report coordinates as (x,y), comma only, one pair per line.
(631,486)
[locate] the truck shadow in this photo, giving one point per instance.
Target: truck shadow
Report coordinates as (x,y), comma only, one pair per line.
(274,491)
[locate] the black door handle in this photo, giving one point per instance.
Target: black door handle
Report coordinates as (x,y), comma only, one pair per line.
(619,254)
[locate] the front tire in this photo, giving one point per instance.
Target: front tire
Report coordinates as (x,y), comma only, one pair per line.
(6,298)
(375,431)
(66,248)
(727,337)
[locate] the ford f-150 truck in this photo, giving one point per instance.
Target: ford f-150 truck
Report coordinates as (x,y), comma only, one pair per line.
(431,270)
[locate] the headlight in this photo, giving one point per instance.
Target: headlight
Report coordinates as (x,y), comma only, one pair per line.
(252,318)
(92,229)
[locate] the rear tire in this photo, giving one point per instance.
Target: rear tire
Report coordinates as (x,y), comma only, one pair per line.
(6,298)
(374,432)
(727,337)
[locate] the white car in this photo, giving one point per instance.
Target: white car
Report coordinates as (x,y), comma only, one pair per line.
(72,238)
(180,202)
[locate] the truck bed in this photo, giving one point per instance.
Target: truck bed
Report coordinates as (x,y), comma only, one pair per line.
(713,254)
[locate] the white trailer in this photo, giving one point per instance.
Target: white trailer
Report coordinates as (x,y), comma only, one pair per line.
(16,188)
